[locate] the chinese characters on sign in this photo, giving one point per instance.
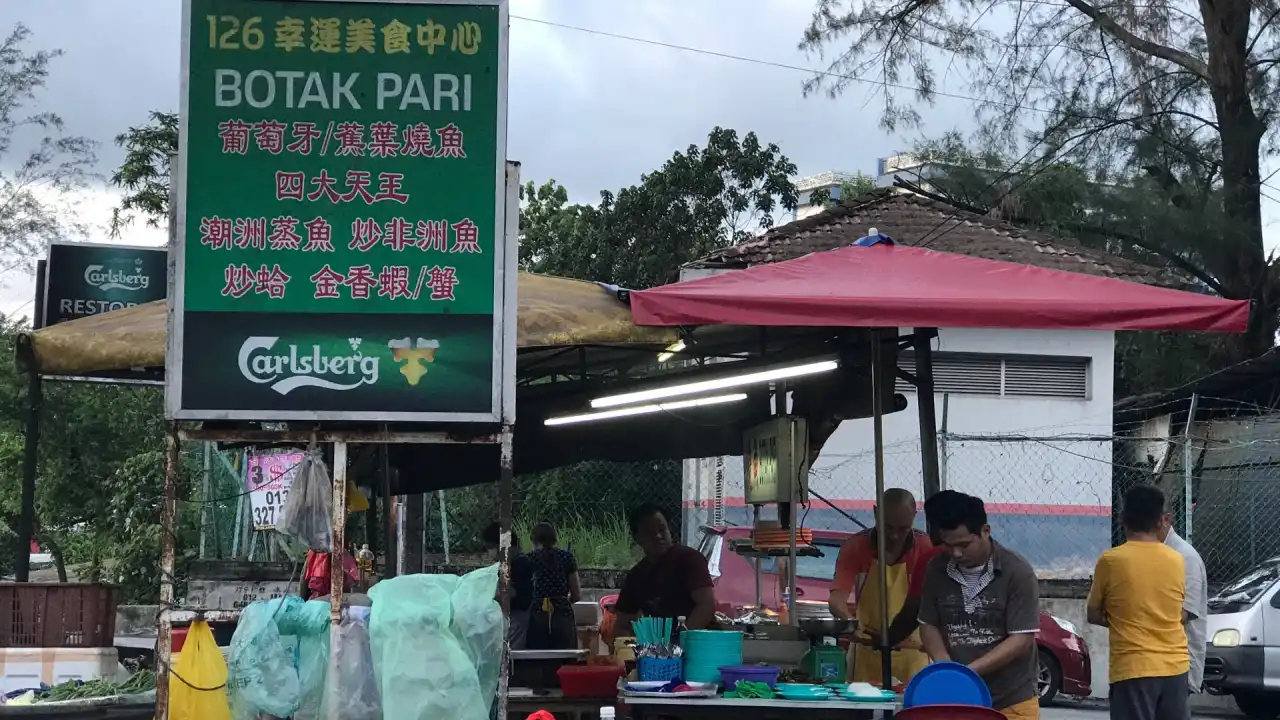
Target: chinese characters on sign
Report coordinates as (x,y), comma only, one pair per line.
(334,36)
(343,178)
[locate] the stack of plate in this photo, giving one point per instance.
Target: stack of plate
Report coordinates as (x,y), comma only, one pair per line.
(803,692)
(706,651)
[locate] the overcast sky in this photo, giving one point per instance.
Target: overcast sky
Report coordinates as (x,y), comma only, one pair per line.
(591,111)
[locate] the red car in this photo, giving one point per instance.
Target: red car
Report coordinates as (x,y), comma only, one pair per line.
(1064,657)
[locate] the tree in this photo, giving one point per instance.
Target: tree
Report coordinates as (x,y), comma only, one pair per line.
(144,175)
(700,200)
(1182,95)
(41,168)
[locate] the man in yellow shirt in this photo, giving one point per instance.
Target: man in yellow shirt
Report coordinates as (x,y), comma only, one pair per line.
(1137,593)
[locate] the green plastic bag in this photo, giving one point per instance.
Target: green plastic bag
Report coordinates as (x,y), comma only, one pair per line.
(261,678)
(428,635)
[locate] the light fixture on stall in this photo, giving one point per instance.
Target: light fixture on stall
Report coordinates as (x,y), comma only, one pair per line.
(645,409)
(703,386)
(672,349)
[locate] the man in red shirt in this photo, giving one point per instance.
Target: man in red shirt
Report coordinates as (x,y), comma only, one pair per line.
(858,573)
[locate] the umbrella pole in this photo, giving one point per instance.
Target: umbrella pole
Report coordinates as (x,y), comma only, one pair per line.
(877,429)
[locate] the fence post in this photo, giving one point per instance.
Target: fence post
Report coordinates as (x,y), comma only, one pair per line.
(1188,469)
(444,526)
(942,444)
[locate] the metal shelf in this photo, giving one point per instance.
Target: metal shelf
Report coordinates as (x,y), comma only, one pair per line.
(744,548)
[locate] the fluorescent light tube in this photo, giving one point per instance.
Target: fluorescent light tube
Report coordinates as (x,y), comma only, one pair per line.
(645,409)
(670,352)
(717,384)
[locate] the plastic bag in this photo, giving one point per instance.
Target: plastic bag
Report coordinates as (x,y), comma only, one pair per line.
(262,678)
(197,685)
(422,669)
(479,625)
(307,515)
(310,625)
(352,693)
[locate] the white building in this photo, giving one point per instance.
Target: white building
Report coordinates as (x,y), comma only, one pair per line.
(1028,414)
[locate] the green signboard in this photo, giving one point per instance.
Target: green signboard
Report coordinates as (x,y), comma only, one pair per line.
(83,279)
(342,249)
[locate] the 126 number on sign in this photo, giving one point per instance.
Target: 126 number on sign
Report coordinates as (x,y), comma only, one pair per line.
(223,31)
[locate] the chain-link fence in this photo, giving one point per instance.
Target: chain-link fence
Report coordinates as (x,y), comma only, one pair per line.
(1052,498)
(588,504)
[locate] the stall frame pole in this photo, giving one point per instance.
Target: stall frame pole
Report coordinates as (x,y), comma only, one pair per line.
(877,427)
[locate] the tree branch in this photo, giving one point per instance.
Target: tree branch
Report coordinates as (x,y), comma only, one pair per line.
(1119,32)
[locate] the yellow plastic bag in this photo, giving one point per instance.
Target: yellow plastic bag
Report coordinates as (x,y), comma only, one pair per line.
(198,681)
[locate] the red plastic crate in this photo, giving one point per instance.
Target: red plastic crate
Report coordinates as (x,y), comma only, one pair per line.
(590,681)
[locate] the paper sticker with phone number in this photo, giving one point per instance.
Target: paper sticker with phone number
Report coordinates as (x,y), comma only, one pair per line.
(268,482)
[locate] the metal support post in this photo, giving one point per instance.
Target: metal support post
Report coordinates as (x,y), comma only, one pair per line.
(168,539)
(877,431)
(922,342)
(336,555)
(506,473)
(1188,469)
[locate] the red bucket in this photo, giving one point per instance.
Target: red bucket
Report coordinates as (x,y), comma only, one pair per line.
(948,712)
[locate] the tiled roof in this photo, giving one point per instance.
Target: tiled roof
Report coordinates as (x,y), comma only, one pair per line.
(912,219)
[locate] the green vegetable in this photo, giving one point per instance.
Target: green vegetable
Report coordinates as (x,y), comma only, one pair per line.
(139,682)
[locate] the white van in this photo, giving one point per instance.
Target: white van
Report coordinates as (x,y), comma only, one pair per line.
(1243,657)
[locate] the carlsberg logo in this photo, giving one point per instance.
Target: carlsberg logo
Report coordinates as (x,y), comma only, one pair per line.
(105,279)
(286,370)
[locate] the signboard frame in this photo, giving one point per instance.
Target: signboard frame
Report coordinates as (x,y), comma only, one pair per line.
(505,253)
(41,315)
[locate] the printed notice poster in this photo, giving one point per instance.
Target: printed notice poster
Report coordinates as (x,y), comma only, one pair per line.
(268,481)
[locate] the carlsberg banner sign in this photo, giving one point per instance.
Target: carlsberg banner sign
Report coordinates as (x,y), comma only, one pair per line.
(343,248)
(83,279)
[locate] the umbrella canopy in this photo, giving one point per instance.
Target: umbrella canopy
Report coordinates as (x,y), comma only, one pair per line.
(878,284)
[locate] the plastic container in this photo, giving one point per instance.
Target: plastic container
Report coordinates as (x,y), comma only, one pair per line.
(948,712)
(655,669)
(608,713)
(706,651)
(946,683)
(590,681)
(766,674)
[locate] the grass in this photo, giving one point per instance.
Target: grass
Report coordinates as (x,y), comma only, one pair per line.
(596,543)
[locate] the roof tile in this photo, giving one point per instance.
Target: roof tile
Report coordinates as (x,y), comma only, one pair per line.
(912,219)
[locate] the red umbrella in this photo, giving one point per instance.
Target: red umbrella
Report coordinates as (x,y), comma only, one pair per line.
(879,284)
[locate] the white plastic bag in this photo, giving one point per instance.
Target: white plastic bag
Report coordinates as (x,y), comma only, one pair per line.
(307,512)
(352,690)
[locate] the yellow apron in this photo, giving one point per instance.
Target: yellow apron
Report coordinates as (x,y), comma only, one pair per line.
(864,662)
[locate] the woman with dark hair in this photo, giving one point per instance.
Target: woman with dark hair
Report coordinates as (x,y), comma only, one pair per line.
(556,588)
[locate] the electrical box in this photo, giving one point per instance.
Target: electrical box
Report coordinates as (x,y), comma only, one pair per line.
(775,457)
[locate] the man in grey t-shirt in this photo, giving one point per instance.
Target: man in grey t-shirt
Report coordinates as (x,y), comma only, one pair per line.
(1196,603)
(981,604)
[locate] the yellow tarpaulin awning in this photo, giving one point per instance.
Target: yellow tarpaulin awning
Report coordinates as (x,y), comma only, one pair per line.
(552,312)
